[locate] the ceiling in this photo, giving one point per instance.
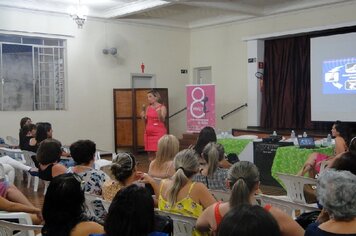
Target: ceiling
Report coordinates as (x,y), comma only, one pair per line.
(177,13)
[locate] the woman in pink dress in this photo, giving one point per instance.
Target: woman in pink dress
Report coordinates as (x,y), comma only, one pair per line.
(154,116)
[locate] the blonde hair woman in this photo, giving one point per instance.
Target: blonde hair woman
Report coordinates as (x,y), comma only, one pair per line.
(162,166)
(181,195)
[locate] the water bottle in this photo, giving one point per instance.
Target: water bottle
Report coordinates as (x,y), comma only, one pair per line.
(305,134)
(274,133)
(328,140)
(292,135)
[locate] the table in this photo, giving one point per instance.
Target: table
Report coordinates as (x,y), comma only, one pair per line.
(291,159)
(233,145)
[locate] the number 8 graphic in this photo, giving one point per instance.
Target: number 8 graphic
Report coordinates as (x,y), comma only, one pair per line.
(197,101)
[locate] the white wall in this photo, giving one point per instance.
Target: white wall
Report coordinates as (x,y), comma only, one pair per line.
(92,75)
(223,48)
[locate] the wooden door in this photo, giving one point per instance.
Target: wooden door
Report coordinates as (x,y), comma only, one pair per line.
(129,127)
(123,118)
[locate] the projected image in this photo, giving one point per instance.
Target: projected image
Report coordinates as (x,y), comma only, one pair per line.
(339,76)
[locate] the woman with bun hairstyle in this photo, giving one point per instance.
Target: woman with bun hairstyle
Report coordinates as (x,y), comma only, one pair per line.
(124,171)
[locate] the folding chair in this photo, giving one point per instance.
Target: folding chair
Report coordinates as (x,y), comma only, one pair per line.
(223,196)
(294,200)
(100,163)
(23,218)
(7,229)
(182,225)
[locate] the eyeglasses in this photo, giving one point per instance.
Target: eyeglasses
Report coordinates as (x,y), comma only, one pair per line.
(81,181)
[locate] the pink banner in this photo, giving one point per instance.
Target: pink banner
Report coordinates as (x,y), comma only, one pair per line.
(200,107)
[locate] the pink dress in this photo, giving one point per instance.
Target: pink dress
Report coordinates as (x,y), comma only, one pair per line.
(155,129)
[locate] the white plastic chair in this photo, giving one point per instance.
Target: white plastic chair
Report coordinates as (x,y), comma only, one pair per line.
(220,195)
(12,141)
(182,225)
(294,200)
(295,185)
(7,229)
(2,173)
(36,180)
(23,218)
(100,163)
(16,154)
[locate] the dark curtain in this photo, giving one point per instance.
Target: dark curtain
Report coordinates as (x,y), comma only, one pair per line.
(286,88)
(286,82)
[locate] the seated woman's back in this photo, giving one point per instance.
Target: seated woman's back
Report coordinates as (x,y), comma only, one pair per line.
(48,155)
(162,166)
(63,208)
(210,173)
(162,171)
(192,199)
(181,195)
(83,153)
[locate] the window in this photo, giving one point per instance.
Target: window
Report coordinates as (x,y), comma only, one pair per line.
(32,73)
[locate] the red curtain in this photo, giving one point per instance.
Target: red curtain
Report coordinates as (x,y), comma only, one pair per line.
(286,90)
(286,87)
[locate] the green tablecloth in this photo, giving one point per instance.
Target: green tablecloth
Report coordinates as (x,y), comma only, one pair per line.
(234,145)
(291,159)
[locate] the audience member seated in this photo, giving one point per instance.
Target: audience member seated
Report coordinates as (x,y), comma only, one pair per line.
(248,220)
(124,171)
(12,200)
(312,165)
(11,164)
(28,132)
(346,161)
(181,195)
(131,213)
(207,135)
(244,180)
(211,174)
(43,131)
(336,191)
(162,166)
(48,155)
(63,208)
(24,121)
(83,153)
